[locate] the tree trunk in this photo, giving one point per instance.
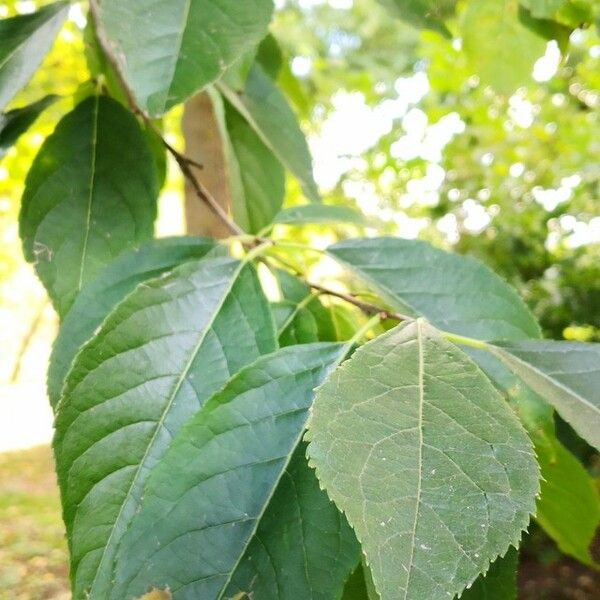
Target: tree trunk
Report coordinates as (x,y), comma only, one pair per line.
(203,144)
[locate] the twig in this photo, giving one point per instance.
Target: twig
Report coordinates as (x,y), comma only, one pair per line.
(185,163)
(26,341)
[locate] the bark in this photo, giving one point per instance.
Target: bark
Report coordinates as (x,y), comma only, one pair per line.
(203,144)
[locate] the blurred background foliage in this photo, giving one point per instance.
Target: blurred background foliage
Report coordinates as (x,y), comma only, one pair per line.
(399,127)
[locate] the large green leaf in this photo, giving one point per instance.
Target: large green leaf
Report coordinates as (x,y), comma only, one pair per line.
(179,46)
(423,13)
(155,361)
(566,374)
(16,122)
(24,41)
(265,108)
(428,462)
(499,583)
(221,508)
(89,195)
(568,507)
(455,293)
(499,44)
(99,297)
(256,177)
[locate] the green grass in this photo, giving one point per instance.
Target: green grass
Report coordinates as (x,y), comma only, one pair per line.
(33,551)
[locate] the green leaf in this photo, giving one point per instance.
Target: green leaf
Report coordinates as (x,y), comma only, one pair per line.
(295,324)
(565,374)
(114,283)
(16,122)
(542,9)
(226,481)
(155,361)
(423,13)
(24,41)
(568,507)
(499,583)
(256,177)
(313,214)
(265,108)
(360,585)
(269,56)
(428,462)
(501,48)
(455,293)
(181,46)
(89,195)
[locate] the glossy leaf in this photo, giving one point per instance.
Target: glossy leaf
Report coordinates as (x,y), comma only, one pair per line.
(315,214)
(114,283)
(225,482)
(24,41)
(455,293)
(429,464)
(15,123)
(265,108)
(88,196)
(181,46)
(256,177)
(155,361)
(565,374)
(499,44)
(295,324)
(499,583)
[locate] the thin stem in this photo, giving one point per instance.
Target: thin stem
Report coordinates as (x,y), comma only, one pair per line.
(465,341)
(182,161)
(372,322)
(26,341)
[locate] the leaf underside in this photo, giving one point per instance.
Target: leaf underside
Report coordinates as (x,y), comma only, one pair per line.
(428,462)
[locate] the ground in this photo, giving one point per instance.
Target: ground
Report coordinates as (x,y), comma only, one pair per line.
(33,552)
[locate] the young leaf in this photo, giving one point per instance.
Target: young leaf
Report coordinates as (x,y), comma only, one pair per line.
(225,482)
(455,293)
(295,324)
(428,462)
(501,48)
(16,122)
(116,281)
(157,358)
(312,214)
(24,41)
(181,46)
(256,177)
(499,583)
(89,195)
(265,108)
(566,374)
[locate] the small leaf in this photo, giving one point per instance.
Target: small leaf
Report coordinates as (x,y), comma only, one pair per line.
(89,195)
(501,48)
(16,122)
(455,293)
(429,464)
(180,46)
(499,583)
(565,374)
(256,177)
(24,41)
(100,296)
(265,108)
(226,482)
(155,361)
(314,214)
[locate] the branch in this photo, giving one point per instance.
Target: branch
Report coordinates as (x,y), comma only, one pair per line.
(26,341)
(182,161)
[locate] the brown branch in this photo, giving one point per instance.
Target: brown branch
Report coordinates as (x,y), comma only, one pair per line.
(185,163)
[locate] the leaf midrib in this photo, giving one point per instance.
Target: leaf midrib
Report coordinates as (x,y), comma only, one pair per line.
(420,426)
